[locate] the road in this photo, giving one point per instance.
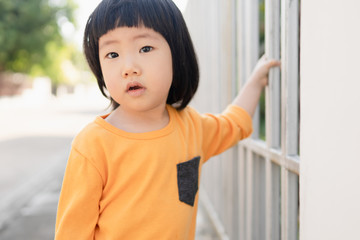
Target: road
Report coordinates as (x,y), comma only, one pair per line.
(36,131)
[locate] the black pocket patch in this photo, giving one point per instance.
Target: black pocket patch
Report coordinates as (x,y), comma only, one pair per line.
(188,178)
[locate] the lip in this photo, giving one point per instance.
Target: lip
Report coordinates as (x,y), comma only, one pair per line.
(135,89)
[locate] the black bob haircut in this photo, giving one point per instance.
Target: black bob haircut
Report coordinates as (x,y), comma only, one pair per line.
(163,17)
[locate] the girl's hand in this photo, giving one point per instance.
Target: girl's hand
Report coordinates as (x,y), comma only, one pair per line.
(251,91)
(261,71)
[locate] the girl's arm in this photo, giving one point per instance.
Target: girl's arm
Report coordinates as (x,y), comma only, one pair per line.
(249,95)
(78,208)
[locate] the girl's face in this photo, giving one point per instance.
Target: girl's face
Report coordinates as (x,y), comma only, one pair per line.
(136,64)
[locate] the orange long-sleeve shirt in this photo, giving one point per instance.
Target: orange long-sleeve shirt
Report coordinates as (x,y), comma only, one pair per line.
(121,185)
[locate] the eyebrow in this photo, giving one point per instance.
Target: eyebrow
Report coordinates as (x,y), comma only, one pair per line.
(142,35)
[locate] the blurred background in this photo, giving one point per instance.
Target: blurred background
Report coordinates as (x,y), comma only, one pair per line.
(47,94)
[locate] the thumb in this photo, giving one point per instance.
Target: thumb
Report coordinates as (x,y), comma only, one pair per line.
(273,63)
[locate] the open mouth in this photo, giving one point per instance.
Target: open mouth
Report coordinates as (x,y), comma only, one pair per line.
(135,88)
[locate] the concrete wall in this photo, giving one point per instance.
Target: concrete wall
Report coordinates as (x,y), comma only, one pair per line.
(330,117)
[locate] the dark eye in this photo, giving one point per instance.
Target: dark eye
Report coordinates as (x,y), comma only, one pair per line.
(112,55)
(146,49)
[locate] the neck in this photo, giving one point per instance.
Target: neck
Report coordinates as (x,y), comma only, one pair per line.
(139,121)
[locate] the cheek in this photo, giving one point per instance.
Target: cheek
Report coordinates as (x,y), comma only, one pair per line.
(167,77)
(168,70)
(165,61)
(110,83)
(161,70)
(105,72)
(109,76)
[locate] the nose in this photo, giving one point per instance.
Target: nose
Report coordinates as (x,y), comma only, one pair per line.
(130,67)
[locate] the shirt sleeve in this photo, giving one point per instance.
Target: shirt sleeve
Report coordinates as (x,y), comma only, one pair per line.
(220,132)
(78,208)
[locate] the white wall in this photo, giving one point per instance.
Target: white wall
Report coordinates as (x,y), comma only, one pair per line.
(330,118)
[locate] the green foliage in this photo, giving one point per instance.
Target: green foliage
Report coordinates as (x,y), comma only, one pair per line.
(261,27)
(54,62)
(30,38)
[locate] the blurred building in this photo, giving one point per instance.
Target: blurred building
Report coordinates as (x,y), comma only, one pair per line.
(13,83)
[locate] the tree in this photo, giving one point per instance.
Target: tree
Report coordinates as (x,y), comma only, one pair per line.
(28,29)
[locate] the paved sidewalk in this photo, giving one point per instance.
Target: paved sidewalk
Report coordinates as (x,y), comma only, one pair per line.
(36,219)
(34,143)
(35,137)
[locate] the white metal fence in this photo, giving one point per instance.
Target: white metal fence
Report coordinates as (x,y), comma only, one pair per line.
(253,188)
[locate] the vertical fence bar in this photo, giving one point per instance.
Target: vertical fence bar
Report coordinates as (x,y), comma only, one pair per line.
(293,207)
(272,50)
(259,198)
(290,117)
(284,203)
(284,104)
(241,45)
(268,196)
(290,72)
(251,37)
(251,50)
(276,202)
(249,194)
(234,208)
(242,194)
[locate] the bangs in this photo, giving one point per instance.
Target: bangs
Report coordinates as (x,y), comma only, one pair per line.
(129,13)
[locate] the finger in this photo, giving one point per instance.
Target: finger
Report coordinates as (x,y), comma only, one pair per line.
(273,63)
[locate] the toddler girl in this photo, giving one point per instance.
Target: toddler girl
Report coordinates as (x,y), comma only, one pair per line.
(134,173)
